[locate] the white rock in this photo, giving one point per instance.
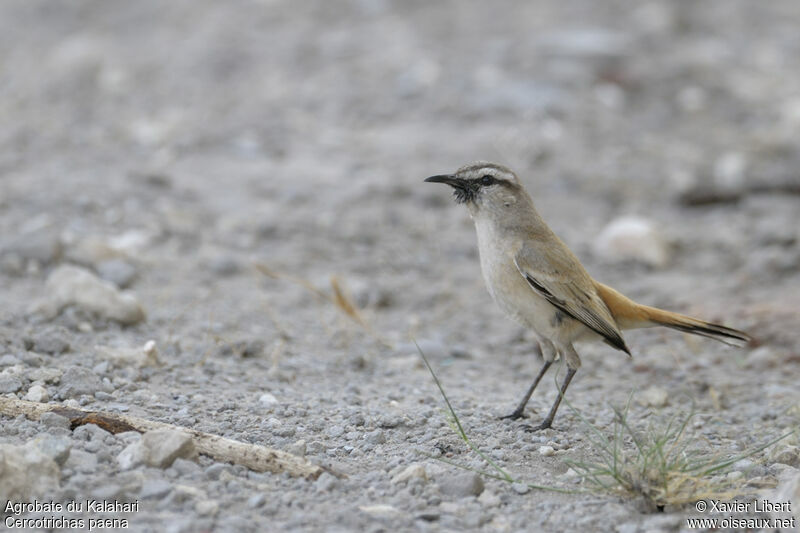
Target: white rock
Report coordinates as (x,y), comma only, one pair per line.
(163,446)
(37,393)
(415,470)
(207,507)
(547,451)
(653,397)
(632,238)
(132,456)
(146,355)
(71,285)
(26,473)
(380,510)
(267,399)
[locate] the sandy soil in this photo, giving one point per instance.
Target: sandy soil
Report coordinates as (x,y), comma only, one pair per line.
(172,148)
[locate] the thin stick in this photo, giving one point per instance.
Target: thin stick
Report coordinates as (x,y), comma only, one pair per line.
(253,456)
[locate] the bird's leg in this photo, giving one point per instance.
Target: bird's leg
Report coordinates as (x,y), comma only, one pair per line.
(548,421)
(521,407)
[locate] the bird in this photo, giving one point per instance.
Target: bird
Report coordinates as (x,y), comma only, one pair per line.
(537,281)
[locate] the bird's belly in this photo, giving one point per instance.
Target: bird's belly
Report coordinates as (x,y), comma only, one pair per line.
(522,304)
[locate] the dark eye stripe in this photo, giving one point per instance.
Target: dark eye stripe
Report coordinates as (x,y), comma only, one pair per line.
(487,180)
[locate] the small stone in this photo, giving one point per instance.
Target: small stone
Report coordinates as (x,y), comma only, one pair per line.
(9,383)
(653,397)
(81,461)
(54,420)
(413,471)
(489,499)
(57,448)
(51,340)
(132,456)
(762,358)
(546,451)
(376,437)
(76,381)
(26,472)
(461,485)
(118,271)
(141,357)
(632,238)
(520,488)
(45,375)
(381,511)
(39,246)
(163,446)
(735,475)
(9,360)
(335,431)
(256,500)
(72,285)
(207,507)
(389,421)
(267,399)
(326,482)
(297,448)
(38,394)
(214,471)
(788,455)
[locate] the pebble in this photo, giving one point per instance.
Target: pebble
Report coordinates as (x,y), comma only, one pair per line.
(267,399)
(38,394)
(546,451)
(413,471)
(54,420)
(376,437)
(335,431)
(161,447)
(140,357)
(72,285)
(42,247)
(77,380)
(653,397)
(118,271)
(297,448)
(50,340)
(132,456)
(207,507)
(27,472)
(57,448)
(81,461)
(461,485)
(787,455)
(520,488)
(326,482)
(9,383)
(632,238)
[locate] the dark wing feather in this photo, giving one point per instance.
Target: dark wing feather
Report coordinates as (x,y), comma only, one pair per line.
(569,297)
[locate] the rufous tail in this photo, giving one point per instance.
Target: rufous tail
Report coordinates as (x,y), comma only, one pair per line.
(629,315)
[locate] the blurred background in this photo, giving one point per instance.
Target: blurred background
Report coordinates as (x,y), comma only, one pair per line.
(302,132)
(223,160)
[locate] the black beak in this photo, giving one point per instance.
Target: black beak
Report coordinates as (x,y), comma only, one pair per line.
(449,179)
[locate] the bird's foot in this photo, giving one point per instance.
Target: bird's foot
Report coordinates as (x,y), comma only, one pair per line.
(516,415)
(531,429)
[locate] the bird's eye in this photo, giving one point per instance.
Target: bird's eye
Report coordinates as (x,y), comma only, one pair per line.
(487,180)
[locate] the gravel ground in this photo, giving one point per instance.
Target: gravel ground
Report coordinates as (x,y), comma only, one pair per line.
(154,155)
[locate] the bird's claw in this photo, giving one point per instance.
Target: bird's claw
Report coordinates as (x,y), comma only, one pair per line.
(538,427)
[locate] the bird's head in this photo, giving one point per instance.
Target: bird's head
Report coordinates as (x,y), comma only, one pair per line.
(483,185)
